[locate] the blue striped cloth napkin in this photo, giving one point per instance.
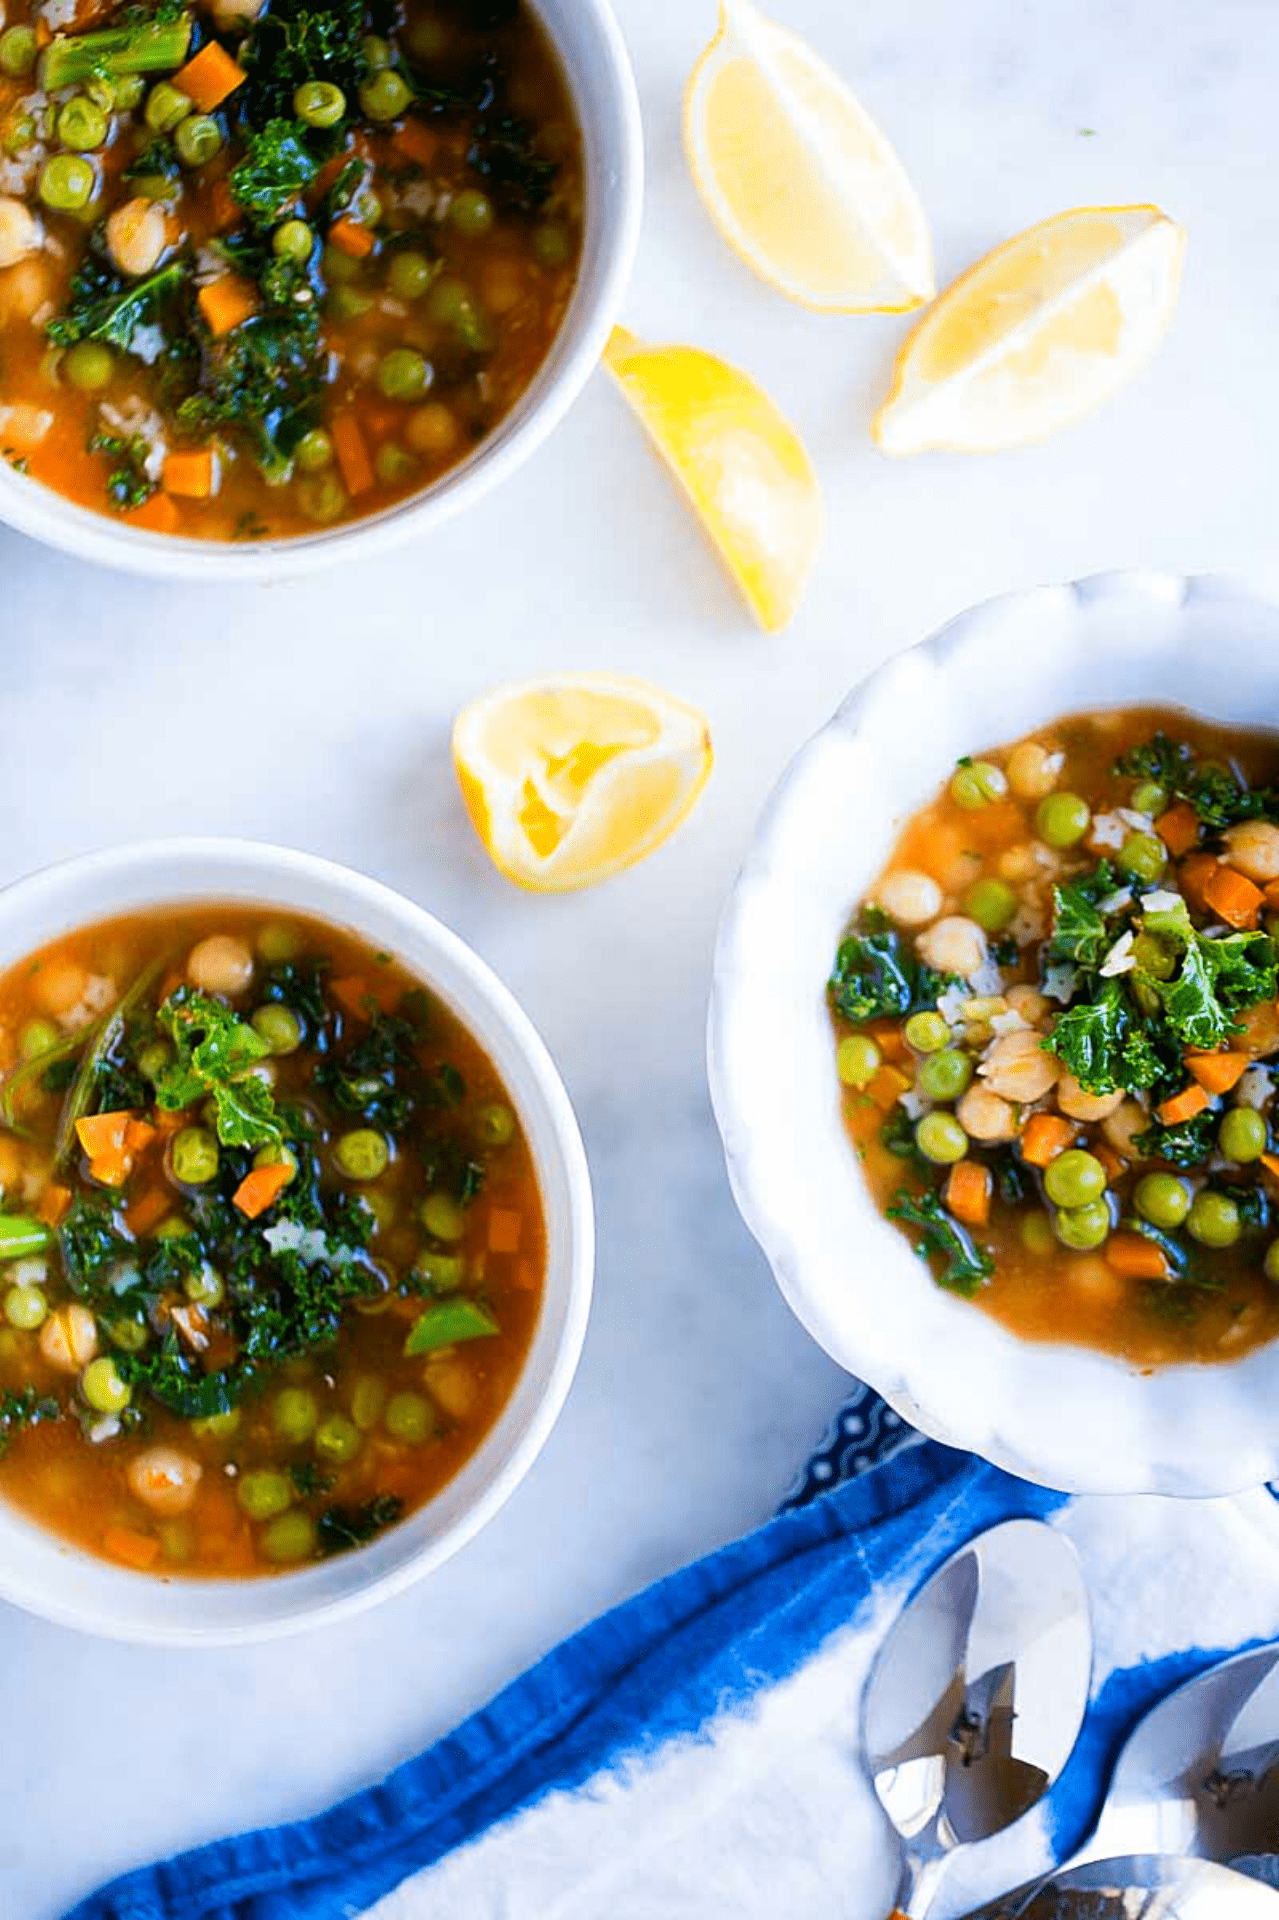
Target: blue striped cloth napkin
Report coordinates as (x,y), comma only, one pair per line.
(694,1754)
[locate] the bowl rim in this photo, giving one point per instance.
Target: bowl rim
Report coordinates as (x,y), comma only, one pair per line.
(1123,1443)
(614,208)
(67,1576)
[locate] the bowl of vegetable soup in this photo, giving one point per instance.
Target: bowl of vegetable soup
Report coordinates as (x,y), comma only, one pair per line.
(295,1242)
(282,283)
(995,1032)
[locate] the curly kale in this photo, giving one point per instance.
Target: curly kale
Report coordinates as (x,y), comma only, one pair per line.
(879,976)
(133,316)
(128,484)
(1218,795)
(263,382)
(18,1411)
(216,1053)
(1183,1146)
(965,1266)
(275,172)
(295,41)
(341,1528)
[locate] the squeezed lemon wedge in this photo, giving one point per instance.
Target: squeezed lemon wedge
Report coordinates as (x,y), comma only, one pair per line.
(1037,334)
(797,177)
(739,461)
(569,780)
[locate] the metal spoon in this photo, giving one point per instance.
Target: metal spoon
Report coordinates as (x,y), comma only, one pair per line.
(1148,1887)
(977,1696)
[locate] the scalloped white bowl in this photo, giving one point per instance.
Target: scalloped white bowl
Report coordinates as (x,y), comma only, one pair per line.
(1062,1415)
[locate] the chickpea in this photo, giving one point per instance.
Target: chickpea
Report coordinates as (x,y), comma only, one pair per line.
(24,289)
(1122,1127)
(19,231)
(1032,770)
(1018,863)
(1252,847)
(452,1384)
(954,945)
(231,16)
(164,1479)
(1017,1068)
(913,899)
(503,286)
(60,988)
(1260,1029)
(1079,1105)
(137,234)
(1095,1280)
(220,964)
(1029,1002)
(69,1338)
(432,429)
(984,1116)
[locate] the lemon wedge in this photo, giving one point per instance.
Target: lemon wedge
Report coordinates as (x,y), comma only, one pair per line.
(741,464)
(1037,334)
(797,177)
(569,780)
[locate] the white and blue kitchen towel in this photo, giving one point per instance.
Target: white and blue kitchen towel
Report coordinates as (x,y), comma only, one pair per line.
(694,1754)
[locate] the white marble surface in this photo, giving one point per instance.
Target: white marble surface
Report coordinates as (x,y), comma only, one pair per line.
(318,715)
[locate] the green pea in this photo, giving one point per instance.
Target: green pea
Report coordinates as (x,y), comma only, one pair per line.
(89,365)
(944,1076)
(1214,1220)
(366,207)
(1154,956)
(941,1139)
(130,1334)
(1062,819)
(279,1027)
(81,125)
(322,498)
(368,1397)
(340,270)
(197,140)
(384,95)
(1037,1235)
(278,942)
(926,1032)
(1162,1199)
(26,1308)
(1271,1263)
(381,1206)
(429,39)
(103,1387)
(294,1414)
(440,1272)
(173,1228)
(1083,1228)
(205,1288)
(393,464)
(350,303)
(450,303)
(129,90)
(1149,797)
(1143,856)
(67,183)
(977,784)
(264,1493)
(17,52)
(177,1540)
(314,452)
(495,1124)
(37,1038)
(290,1538)
(1242,1135)
(857,1060)
(552,247)
(293,241)
(194,1157)
(409,1417)
(377,52)
(409,274)
(471,212)
(991,903)
(403,374)
(337,1439)
(1074,1178)
(167,107)
(217,1426)
(319,103)
(362,1155)
(442,1217)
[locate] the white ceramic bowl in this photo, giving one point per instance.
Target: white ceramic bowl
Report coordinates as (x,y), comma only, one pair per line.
(47,1575)
(590,45)
(1058,1414)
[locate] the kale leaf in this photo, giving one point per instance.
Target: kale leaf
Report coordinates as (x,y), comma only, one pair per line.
(274,173)
(91,1247)
(262,381)
(299,985)
(128,484)
(132,316)
(341,1528)
(504,154)
(216,1052)
(295,41)
(25,1409)
(1079,927)
(1216,793)
(1185,1145)
(367,1078)
(878,976)
(942,1236)
(177,1380)
(1102,1043)
(1216,978)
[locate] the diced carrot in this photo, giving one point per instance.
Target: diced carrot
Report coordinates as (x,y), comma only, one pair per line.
(138,1135)
(1270,1161)
(224,208)
(327,177)
(1270,893)
(1044,1136)
(1109,1159)
(1178,828)
(261,1187)
(103,1134)
(157,515)
(44,32)
(889,1038)
(505,1229)
(166,1123)
(140,1550)
(524,1274)
(1136,1257)
(887,1087)
(415,142)
(226,303)
(1183,1106)
(111,1169)
(147,1211)
(192,475)
(1233,896)
(1193,875)
(210,78)
(1217,1072)
(353,455)
(358,992)
(352,239)
(53,1204)
(968,1193)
